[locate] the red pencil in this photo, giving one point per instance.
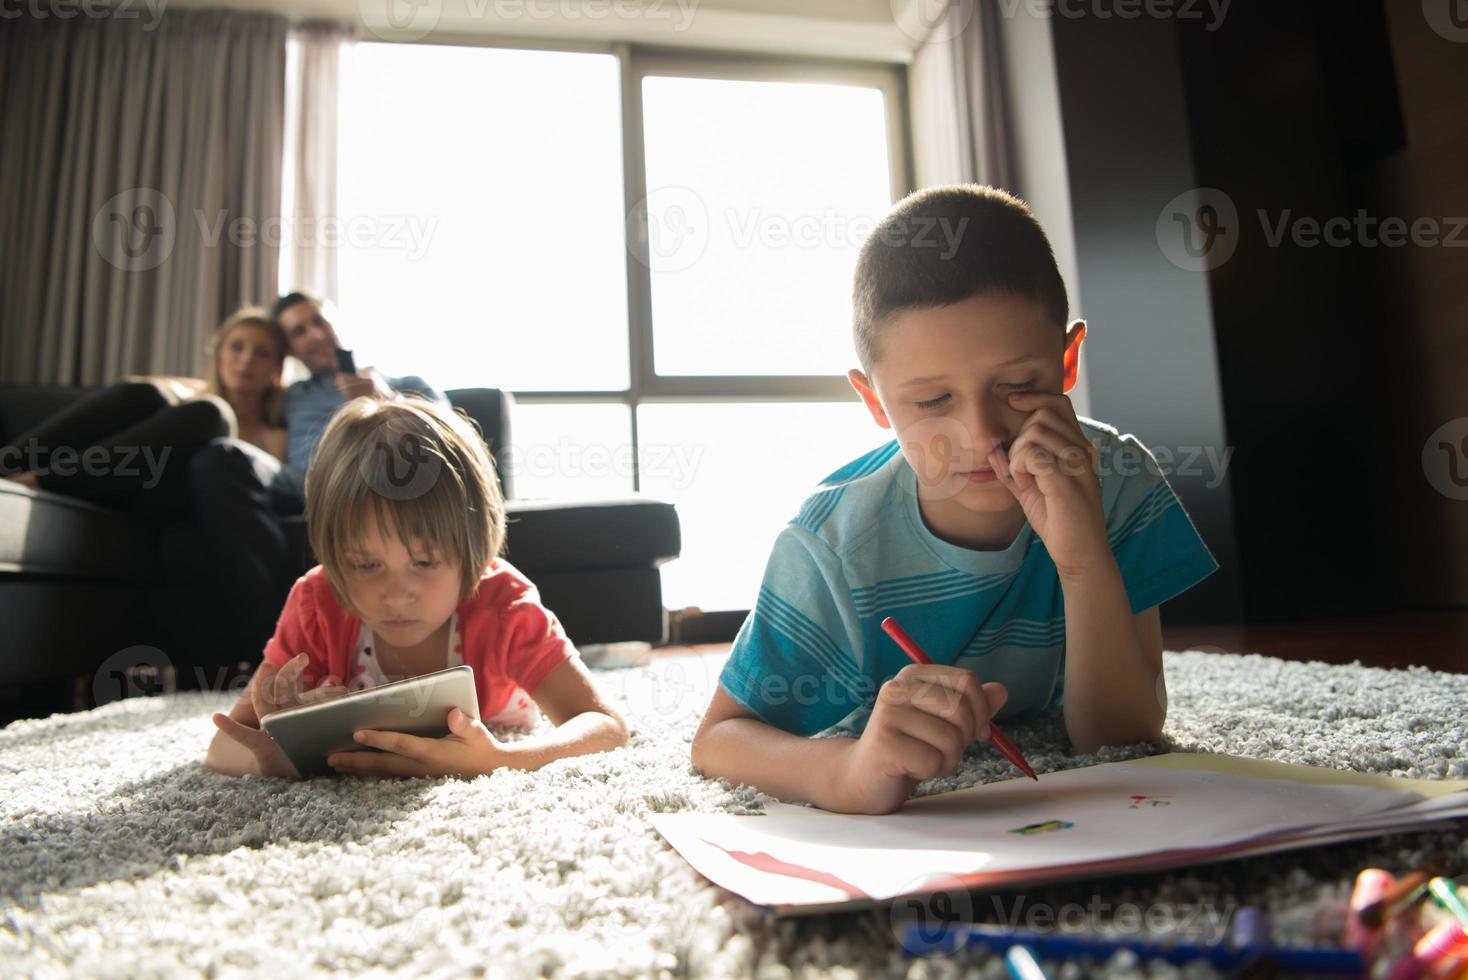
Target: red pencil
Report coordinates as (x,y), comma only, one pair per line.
(916,655)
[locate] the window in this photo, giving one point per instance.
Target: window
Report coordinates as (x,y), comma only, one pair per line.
(760,194)
(480,191)
(739,472)
(652,251)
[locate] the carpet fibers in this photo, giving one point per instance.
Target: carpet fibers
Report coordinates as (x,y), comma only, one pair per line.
(120,855)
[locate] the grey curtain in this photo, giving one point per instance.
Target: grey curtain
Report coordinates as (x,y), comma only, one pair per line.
(311,120)
(957,99)
(139,187)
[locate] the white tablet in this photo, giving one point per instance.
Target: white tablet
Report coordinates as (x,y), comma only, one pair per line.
(308,733)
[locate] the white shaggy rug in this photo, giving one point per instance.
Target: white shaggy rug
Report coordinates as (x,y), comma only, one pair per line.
(120,855)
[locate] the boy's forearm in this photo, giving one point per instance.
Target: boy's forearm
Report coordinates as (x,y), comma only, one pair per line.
(1110,685)
(584,734)
(791,767)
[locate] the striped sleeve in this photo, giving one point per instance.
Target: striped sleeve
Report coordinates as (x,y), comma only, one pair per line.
(1155,543)
(793,665)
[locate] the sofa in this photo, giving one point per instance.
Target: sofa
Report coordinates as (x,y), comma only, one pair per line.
(90,596)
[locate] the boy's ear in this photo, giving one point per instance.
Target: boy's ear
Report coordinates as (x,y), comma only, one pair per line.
(1072,356)
(868,394)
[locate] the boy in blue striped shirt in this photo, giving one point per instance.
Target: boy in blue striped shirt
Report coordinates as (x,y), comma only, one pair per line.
(1026,549)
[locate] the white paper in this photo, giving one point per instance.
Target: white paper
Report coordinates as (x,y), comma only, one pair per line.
(1101,813)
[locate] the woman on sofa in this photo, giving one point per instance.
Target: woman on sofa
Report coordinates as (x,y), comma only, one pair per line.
(130,443)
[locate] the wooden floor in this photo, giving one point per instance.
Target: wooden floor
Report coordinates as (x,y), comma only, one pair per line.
(1438,640)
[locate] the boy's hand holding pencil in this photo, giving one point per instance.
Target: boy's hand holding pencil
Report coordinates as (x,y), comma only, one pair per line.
(923,720)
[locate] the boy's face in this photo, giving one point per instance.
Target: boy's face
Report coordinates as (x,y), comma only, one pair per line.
(403,594)
(942,383)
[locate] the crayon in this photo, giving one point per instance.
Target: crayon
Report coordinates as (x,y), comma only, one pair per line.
(917,655)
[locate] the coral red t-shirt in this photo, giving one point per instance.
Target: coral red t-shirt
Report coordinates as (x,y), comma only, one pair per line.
(510,639)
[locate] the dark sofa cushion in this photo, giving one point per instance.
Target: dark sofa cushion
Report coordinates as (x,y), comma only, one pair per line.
(47,534)
(556,535)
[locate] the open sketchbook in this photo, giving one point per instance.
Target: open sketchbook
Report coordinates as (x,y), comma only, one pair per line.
(1119,818)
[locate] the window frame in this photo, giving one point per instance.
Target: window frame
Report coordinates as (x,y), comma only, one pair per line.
(636,62)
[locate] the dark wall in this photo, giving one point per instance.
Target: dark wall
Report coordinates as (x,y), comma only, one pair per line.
(1151,364)
(1287,102)
(1324,367)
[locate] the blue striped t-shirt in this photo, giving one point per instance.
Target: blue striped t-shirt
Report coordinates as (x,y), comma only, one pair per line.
(812,654)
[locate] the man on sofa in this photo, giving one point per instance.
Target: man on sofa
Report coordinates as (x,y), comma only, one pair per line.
(239,492)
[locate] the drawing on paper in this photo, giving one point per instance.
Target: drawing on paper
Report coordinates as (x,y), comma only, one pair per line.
(1044,827)
(1138,802)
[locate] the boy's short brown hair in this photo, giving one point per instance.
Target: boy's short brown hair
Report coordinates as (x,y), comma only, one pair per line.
(940,246)
(420,470)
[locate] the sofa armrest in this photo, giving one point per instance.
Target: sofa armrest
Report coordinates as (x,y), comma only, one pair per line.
(491,409)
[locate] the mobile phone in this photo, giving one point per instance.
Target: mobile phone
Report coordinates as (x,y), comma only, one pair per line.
(344,361)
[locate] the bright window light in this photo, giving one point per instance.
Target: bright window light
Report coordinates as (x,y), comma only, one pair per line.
(483,216)
(571,452)
(759,197)
(738,473)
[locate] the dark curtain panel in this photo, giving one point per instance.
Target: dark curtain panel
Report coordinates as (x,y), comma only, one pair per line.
(140,173)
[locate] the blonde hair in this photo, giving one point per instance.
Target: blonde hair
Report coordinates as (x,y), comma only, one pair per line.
(420,470)
(252,316)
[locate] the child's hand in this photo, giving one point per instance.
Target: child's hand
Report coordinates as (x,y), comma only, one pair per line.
(1051,468)
(923,720)
(277,688)
(270,760)
(467,750)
